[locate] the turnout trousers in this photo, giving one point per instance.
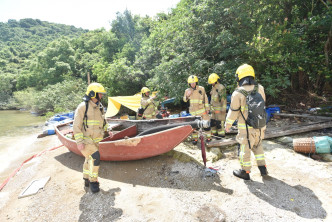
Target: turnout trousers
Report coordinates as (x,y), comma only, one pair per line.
(91,162)
(256,148)
(219,129)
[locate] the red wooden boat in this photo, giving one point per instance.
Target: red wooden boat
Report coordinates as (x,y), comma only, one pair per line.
(127,144)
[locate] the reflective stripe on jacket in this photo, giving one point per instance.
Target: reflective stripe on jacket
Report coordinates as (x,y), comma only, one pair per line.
(151,107)
(218,98)
(239,101)
(95,124)
(199,103)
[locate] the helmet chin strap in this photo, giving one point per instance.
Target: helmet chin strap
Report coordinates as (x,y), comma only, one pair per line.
(97,97)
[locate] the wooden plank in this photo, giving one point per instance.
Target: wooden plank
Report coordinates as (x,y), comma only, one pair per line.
(297,130)
(273,128)
(302,116)
(223,142)
(273,133)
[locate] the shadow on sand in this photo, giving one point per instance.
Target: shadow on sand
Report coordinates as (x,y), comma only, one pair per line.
(298,199)
(99,206)
(160,171)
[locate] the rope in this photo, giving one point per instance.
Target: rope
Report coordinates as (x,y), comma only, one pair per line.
(25,161)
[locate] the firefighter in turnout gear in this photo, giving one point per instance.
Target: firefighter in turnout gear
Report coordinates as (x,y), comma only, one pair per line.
(89,127)
(218,105)
(148,104)
(199,105)
(248,137)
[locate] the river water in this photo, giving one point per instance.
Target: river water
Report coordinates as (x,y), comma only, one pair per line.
(18,136)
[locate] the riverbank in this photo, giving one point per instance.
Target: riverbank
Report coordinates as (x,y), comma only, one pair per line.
(172,187)
(18,139)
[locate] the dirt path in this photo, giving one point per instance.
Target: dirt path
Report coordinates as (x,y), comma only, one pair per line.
(173,187)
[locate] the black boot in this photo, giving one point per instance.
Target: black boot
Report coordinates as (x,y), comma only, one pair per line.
(241,174)
(263,170)
(194,142)
(94,186)
(86,182)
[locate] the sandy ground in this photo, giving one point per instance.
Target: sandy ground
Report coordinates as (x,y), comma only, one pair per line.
(173,187)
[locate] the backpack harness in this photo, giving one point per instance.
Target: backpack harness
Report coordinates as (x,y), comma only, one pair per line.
(85,125)
(256,110)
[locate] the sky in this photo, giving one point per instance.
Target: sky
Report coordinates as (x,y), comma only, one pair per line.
(87,14)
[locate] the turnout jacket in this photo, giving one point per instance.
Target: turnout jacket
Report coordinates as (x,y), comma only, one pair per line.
(150,107)
(95,125)
(199,103)
(239,101)
(218,98)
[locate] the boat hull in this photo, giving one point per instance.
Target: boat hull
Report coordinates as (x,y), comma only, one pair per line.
(133,148)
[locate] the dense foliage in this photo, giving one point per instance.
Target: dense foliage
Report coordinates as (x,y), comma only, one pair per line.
(20,44)
(60,97)
(288,42)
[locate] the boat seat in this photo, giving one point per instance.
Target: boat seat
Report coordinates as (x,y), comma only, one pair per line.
(128,132)
(66,131)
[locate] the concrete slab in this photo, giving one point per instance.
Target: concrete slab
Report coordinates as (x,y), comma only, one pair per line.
(34,187)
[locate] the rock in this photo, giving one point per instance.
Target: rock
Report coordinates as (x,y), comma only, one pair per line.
(316,157)
(326,157)
(285,140)
(216,154)
(180,156)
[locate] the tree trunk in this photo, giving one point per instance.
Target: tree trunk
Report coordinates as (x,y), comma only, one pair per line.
(295,81)
(303,81)
(327,48)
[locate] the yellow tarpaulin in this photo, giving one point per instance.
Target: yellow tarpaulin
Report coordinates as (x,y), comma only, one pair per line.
(131,102)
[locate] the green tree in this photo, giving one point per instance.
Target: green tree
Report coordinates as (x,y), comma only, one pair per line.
(119,77)
(54,63)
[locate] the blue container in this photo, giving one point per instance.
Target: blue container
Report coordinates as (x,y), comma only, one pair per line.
(71,115)
(64,116)
(50,131)
(56,118)
(323,144)
(184,114)
(174,116)
(229,98)
(270,111)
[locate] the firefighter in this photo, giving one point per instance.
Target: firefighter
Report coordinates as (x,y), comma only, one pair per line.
(218,105)
(148,104)
(249,138)
(199,105)
(89,127)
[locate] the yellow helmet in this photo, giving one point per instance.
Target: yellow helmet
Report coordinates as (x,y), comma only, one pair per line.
(192,79)
(213,78)
(145,89)
(244,71)
(95,88)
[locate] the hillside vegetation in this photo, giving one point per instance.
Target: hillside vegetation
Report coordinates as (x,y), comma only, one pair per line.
(289,43)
